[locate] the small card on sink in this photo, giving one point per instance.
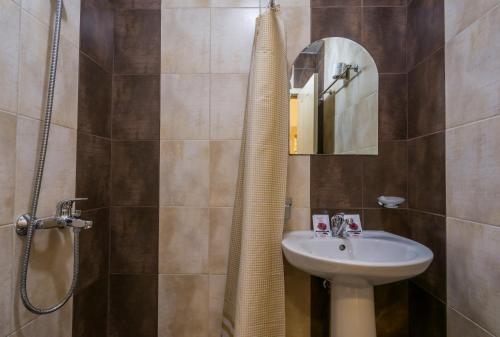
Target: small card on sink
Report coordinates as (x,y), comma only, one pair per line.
(353,224)
(321,226)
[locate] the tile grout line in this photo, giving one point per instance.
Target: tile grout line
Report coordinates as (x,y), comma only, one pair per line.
(471,123)
(473,222)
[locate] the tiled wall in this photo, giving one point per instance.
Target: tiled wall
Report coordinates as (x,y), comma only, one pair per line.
(135,154)
(353,183)
(473,166)
(206,49)
(93,165)
(24,59)
(118,167)
(426,162)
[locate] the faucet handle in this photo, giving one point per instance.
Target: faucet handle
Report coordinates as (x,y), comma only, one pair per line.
(338,219)
(65,207)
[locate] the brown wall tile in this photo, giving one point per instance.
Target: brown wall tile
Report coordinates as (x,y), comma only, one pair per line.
(332,3)
(93,171)
(94,249)
(380,3)
(135,173)
(336,181)
(137,42)
(427,314)
(134,240)
(306,60)
(380,23)
(391,310)
(137,4)
(133,308)
(94,98)
(301,76)
(96,32)
(426,96)
(336,22)
(386,174)
(430,230)
(136,107)
(90,310)
(425,29)
(320,308)
(426,178)
(391,220)
(393,102)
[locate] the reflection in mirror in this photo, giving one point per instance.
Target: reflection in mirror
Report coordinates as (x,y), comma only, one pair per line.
(334,100)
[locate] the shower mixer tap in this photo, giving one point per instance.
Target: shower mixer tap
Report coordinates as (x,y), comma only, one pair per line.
(66,216)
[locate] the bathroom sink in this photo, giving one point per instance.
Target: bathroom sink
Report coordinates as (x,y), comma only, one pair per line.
(353,266)
(375,258)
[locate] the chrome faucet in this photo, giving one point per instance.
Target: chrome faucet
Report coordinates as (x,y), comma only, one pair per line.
(66,216)
(339,225)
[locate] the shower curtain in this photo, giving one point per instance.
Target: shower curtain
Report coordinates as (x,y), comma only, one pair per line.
(254,304)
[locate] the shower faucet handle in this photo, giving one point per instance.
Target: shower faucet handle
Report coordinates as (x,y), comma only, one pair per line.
(65,208)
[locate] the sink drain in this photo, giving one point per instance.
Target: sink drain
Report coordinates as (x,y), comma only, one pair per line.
(342,248)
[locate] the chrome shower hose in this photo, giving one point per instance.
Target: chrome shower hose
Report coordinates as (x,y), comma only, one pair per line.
(38,183)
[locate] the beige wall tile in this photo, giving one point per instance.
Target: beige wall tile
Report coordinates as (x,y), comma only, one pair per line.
(7,167)
(185,41)
(42,10)
(184,235)
(220,234)
(298,181)
(294,3)
(184,3)
(460,326)
(183,305)
(60,167)
(227,105)
(185,107)
(297,302)
(224,162)
(237,3)
(66,94)
(35,59)
(216,304)
(473,172)
(298,28)
(184,172)
(473,271)
(58,324)
(50,271)
(9,54)
(33,66)
(300,220)
(232,38)
(460,14)
(6,279)
(473,71)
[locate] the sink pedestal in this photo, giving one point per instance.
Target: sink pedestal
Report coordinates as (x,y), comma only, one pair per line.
(352,311)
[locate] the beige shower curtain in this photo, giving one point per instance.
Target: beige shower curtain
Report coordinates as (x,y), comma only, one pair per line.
(254,304)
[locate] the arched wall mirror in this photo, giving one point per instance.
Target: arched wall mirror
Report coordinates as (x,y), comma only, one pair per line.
(334,100)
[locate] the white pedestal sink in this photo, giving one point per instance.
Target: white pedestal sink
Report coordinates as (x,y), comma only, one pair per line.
(353,266)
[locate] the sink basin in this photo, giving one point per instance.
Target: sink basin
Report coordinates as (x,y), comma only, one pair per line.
(353,266)
(375,258)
